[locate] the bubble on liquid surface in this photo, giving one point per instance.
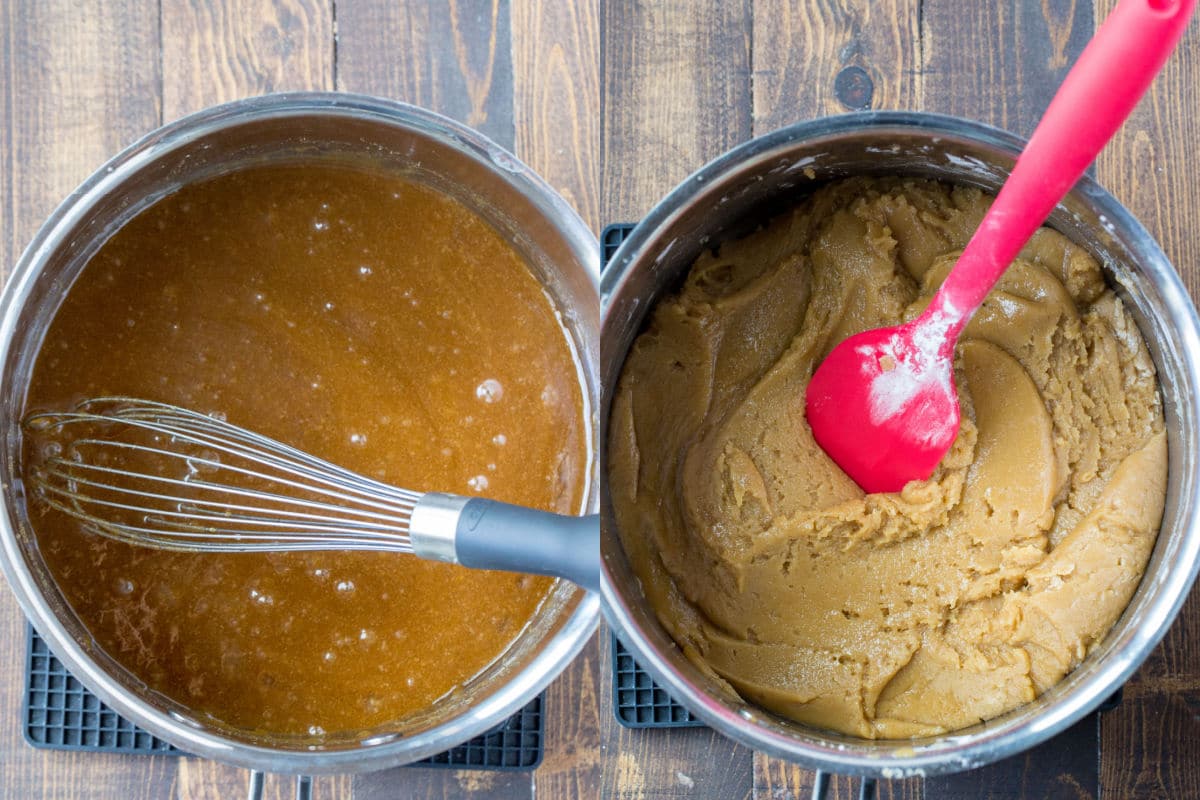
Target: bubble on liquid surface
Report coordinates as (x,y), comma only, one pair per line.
(499,440)
(316,730)
(261,599)
(478,483)
(364,270)
(125,586)
(358,438)
(345,587)
(490,391)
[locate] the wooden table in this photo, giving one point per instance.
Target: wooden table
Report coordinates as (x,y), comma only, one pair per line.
(653,90)
(684,81)
(80,80)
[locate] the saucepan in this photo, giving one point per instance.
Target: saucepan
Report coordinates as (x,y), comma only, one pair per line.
(300,128)
(768,174)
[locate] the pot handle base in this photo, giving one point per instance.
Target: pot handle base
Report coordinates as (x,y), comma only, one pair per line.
(866,787)
(258,781)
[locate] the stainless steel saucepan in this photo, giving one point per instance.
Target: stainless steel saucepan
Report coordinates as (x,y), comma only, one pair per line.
(769,174)
(301,128)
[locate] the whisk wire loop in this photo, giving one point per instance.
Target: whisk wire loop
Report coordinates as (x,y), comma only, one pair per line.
(240,491)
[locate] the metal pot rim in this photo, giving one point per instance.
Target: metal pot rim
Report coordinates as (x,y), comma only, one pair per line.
(558,650)
(954,751)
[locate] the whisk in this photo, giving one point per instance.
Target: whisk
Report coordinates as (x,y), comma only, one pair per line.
(161,476)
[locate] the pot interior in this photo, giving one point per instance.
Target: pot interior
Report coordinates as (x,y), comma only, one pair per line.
(741,190)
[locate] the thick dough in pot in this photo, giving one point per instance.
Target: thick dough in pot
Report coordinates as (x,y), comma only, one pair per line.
(888,615)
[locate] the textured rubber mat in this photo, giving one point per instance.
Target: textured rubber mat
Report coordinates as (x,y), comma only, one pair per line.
(638,701)
(59,713)
(611,238)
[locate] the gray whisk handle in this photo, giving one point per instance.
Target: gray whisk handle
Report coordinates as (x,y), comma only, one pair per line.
(487,534)
(494,535)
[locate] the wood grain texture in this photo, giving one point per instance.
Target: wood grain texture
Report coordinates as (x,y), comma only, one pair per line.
(1151,743)
(647,764)
(428,783)
(1065,768)
(80,81)
(776,779)
(199,779)
(556,97)
(571,765)
(999,63)
(675,93)
(453,56)
(801,47)
(246,47)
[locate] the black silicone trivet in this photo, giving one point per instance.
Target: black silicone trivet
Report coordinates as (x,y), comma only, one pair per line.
(638,701)
(515,745)
(60,714)
(611,238)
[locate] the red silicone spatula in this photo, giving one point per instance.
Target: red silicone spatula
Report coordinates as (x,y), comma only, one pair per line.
(883,404)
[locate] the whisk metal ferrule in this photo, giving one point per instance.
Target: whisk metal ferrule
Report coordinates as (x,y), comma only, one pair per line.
(433,526)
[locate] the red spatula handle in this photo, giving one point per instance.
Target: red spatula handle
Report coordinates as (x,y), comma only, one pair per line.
(1100,91)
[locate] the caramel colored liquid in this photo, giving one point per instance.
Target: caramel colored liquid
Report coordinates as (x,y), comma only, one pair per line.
(371,321)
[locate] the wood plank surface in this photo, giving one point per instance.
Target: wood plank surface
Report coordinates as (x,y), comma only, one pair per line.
(1151,742)
(81,82)
(614,103)
(247,47)
(556,97)
(999,63)
(674,92)
(995,62)
(817,58)
(452,56)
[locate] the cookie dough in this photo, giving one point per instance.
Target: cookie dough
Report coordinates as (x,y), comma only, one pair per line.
(887,615)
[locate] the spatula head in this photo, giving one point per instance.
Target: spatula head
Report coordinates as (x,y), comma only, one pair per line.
(884,410)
